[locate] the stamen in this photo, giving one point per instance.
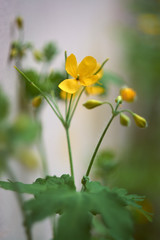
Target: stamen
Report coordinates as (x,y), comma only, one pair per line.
(77,77)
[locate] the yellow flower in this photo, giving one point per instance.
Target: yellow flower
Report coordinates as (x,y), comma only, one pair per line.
(83,74)
(127,94)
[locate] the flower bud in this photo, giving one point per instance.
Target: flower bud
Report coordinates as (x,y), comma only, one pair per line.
(36,102)
(118,99)
(13,53)
(92,104)
(37,55)
(28,158)
(140,122)
(124,120)
(127,94)
(19,22)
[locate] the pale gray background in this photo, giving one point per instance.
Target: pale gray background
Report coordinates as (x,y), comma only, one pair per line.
(86,27)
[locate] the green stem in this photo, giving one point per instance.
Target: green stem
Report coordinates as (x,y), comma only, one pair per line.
(101,66)
(70,153)
(127,110)
(66,101)
(53,100)
(42,93)
(69,108)
(109,105)
(98,145)
(21,201)
(43,157)
(114,114)
(75,106)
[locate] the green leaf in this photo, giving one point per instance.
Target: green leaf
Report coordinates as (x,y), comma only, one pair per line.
(49,51)
(131,200)
(78,217)
(76,210)
(112,209)
(40,185)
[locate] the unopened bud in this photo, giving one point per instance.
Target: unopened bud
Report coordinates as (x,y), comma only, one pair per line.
(127,94)
(118,99)
(37,55)
(92,104)
(36,102)
(13,53)
(19,22)
(124,120)
(140,121)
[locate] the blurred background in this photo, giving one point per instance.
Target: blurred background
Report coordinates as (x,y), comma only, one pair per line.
(128,32)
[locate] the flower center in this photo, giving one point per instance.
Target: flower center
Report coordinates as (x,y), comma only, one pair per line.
(77,78)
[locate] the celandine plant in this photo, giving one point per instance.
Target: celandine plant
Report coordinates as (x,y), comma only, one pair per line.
(95,212)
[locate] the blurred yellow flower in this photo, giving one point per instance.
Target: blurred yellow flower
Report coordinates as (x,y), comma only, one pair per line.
(36,101)
(127,94)
(149,23)
(83,74)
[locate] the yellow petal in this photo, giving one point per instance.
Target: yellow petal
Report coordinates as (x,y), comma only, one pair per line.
(69,85)
(87,67)
(71,65)
(94,90)
(89,81)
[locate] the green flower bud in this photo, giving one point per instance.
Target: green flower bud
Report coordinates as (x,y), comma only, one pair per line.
(118,99)
(13,53)
(28,158)
(92,104)
(37,55)
(140,121)
(19,22)
(124,120)
(36,102)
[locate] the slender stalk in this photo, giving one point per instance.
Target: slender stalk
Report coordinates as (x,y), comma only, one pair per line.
(114,114)
(75,106)
(42,93)
(98,145)
(20,201)
(101,66)
(66,102)
(53,100)
(127,110)
(69,108)
(70,153)
(41,149)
